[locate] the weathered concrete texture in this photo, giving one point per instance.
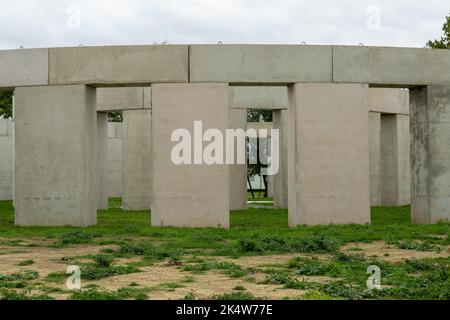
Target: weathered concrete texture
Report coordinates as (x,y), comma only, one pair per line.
(188,195)
(260,63)
(6,159)
(137,159)
(430,156)
(55,156)
(118,65)
(123,98)
(115,159)
(27,67)
(269,98)
(329,154)
(238,172)
(400,67)
(280,180)
(375,149)
(395,101)
(394,160)
(102,160)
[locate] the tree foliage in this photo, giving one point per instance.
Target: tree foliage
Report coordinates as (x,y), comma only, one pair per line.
(6,98)
(444,41)
(259,116)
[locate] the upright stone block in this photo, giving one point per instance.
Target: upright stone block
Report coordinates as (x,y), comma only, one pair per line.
(102,160)
(196,195)
(375,149)
(329,154)
(6,160)
(280,180)
(238,172)
(430,155)
(55,156)
(137,159)
(394,160)
(115,159)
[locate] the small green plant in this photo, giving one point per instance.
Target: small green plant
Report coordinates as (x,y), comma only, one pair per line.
(419,246)
(103,261)
(239,288)
(24,263)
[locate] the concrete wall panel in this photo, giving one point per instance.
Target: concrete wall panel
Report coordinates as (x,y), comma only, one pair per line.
(399,67)
(137,160)
(329,154)
(260,63)
(430,156)
(188,195)
(55,156)
(118,65)
(24,67)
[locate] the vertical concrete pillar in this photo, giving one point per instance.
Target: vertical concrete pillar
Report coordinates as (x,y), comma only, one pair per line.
(238,172)
(188,195)
(102,159)
(115,159)
(55,156)
(6,159)
(394,164)
(137,158)
(430,155)
(280,180)
(375,149)
(328,154)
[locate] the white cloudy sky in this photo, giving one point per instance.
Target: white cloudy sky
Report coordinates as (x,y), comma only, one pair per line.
(45,23)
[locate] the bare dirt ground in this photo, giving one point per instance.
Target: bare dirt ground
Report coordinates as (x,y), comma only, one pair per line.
(157,277)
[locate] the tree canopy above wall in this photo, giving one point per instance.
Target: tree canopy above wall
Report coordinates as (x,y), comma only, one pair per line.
(444,42)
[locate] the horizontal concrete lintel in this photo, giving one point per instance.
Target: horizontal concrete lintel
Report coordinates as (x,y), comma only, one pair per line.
(391,67)
(260,63)
(265,98)
(112,65)
(23,67)
(123,98)
(235,64)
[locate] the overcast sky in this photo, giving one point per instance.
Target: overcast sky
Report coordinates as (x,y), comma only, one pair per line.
(45,23)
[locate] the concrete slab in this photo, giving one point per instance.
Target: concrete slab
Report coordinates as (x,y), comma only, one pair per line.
(265,98)
(118,99)
(386,100)
(280,180)
(394,160)
(375,150)
(23,67)
(329,154)
(238,172)
(102,160)
(260,63)
(116,65)
(188,195)
(137,160)
(430,156)
(400,67)
(55,156)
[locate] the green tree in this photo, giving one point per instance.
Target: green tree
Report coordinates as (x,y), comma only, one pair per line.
(115,116)
(444,42)
(259,116)
(6,104)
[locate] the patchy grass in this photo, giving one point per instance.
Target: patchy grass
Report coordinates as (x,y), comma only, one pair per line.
(312,253)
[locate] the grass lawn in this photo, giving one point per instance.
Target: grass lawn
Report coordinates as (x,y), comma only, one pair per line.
(258,257)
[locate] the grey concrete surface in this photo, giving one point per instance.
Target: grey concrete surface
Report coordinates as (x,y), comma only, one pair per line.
(55,156)
(188,195)
(430,163)
(329,154)
(137,159)
(118,65)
